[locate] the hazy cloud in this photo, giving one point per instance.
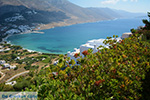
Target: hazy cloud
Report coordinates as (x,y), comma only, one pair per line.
(130,0)
(134,0)
(110,1)
(115,1)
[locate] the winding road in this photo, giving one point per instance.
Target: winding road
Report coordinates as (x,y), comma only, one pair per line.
(17,75)
(3,75)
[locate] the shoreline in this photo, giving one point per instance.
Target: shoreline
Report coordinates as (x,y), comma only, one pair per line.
(31,51)
(30,32)
(65,24)
(38,32)
(27,32)
(38,28)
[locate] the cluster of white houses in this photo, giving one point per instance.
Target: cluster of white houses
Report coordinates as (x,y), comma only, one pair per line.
(92,44)
(6,65)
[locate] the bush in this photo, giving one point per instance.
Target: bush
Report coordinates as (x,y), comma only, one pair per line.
(8,88)
(22,85)
(27,67)
(16,68)
(2,86)
(115,73)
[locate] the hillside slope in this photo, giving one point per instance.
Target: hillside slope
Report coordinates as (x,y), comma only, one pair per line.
(24,15)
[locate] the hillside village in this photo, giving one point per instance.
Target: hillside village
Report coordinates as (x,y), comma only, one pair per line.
(16,60)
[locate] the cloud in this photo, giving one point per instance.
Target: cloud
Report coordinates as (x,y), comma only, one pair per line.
(130,0)
(116,1)
(110,1)
(134,0)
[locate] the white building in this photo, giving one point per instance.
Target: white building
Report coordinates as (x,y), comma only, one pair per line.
(7,49)
(11,83)
(1,50)
(1,47)
(2,62)
(92,44)
(13,67)
(6,65)
(72,54)
(18,58)
(55,62)
(126,35)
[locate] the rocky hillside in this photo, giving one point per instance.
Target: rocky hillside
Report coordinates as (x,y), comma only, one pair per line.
(18,16)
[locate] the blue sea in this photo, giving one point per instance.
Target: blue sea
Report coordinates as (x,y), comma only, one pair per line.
(60,40)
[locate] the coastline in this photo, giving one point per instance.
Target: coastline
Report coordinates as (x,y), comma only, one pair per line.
(29,50)
(27,32)
(30,32)
(66,23)
(53,25)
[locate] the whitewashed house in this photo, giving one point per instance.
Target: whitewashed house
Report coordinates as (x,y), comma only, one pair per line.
(126,35)
(2,62)
(13,67)
(6,65)
(7,49)
(18,58)
(11,83)
(1,50)
(55,62)
(72,54)
(1,47)
(92,44)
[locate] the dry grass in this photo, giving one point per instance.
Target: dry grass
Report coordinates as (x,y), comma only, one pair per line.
(10,73)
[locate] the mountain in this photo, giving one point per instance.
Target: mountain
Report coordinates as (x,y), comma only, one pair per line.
(18,16)
(125,14)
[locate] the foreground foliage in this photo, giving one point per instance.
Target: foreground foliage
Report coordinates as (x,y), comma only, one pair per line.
(120,72)
(115,73)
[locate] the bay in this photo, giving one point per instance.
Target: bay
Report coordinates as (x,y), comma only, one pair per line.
(60,40)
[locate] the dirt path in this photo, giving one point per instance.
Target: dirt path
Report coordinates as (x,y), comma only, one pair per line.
(17,75)
(3,75)
(53,60)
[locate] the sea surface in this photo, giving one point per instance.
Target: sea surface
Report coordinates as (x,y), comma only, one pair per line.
(60,40)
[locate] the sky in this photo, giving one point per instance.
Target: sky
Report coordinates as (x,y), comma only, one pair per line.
(127,5)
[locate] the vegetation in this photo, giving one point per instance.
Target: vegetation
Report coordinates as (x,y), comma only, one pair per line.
(22,85)
(31,67)
(119,72)
(24,60)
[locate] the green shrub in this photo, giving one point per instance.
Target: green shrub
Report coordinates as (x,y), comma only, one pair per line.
(22,85)
(115,73)
(8,88)
(16,68)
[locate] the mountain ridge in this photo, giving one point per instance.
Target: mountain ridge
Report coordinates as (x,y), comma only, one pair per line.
(44,14)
